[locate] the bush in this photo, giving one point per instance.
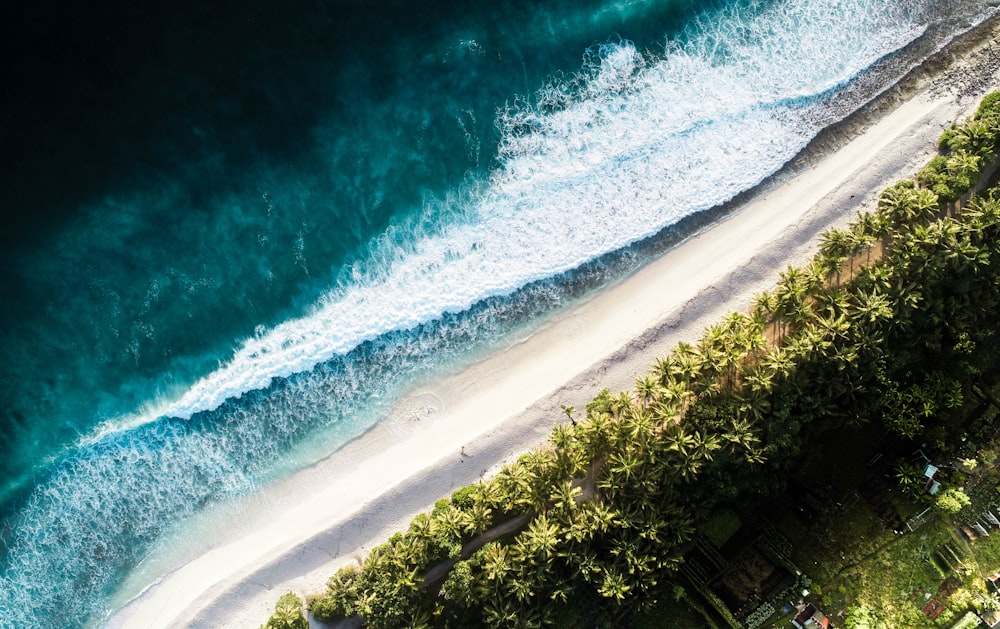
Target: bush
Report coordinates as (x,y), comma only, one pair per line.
(861,616)
(951,177)
(341,594)
(989,106)
(952,500)
(458,587)
(935,176)
(463,498)
(287,614)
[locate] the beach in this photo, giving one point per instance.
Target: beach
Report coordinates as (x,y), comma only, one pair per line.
(448,433)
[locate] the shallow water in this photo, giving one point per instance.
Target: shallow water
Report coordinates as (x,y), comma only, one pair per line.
(275,222)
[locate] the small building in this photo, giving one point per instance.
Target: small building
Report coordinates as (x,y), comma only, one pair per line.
(932,486)
(810,618)
(990,618)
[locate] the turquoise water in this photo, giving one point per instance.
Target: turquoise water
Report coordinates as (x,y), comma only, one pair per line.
(286,214)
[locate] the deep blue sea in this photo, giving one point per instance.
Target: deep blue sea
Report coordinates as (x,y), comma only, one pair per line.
(233,228)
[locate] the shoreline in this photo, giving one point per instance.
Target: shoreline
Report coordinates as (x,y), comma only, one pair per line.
(335,511)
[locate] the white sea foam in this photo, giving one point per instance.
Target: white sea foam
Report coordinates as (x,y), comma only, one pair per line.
(627,147)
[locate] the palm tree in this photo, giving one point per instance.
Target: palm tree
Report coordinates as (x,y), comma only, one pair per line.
(288,614)
(964,164)
(597,434)
(595,517)
(778,361)
(833,305)
(539,472)
(666,412)
(791,293)
(758,380)
(835,248)
(455,523)
(647,389)
(423,526)
(710,365)
(864,236)
(878,226)
(517,485)
(911,479)
(614,585)
(926,205)
(570,454)
(569,410)
(682,460)
(622,469)
(540,540)
(678,440)
(488,494)
(621,404)
(587,563)
(564,499)
(502,612)
(638,426)
(765,306)
(496,562)
(973,136)
(663,370)
(870,308)
(480,514)
(673,394)
(688,362)
(704,444)
(896,203)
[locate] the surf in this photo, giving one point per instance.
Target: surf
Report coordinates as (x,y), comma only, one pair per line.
(663,137)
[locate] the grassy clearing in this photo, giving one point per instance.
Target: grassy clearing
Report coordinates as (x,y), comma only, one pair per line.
(669,613)
(854,558)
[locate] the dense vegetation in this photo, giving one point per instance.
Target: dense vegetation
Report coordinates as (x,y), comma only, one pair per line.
(287,614)
(895,321)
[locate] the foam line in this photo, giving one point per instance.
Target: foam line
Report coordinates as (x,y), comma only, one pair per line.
(628,146)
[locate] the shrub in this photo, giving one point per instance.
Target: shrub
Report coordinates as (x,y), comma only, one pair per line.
(463,498)
(989,106)
(861,616)
(952,500)
(287,614)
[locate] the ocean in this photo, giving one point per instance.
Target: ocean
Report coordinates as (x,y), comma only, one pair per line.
(236,233)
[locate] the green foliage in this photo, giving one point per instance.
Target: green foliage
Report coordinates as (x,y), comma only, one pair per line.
(339,599)
(464,497)
(911,479)
(968,621)
(287,614)
(949,177)
(951,501)
(721,527)
(458,587)
(904,410)
(989,107)
(969,146)
(975,137)
(946,619)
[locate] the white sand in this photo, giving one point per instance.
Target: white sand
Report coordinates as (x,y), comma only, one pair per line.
(308,525)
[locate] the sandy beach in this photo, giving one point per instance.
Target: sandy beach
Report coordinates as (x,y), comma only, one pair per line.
(451,432)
